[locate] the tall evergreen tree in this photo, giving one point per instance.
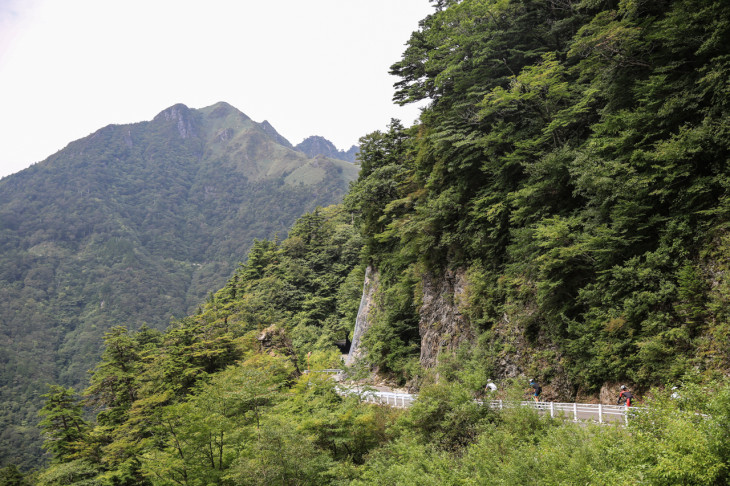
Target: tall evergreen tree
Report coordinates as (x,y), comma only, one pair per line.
(62,422)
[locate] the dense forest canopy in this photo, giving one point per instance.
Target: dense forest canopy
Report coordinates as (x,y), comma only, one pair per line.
(219,398)
(134,224)
(574,161)
(572,165)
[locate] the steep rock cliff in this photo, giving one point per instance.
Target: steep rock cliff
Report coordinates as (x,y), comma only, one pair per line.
(442,326)
(364,315)
(511,352)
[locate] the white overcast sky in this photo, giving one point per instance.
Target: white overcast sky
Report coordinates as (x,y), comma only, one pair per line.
(309,67)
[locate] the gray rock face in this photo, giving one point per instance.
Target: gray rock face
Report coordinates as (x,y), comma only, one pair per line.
(181,114)
(364,315)
(442,325)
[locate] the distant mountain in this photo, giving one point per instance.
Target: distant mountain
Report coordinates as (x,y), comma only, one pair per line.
(316,145)
(271,132)
(134,224)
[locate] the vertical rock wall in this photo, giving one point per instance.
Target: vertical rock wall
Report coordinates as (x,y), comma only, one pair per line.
(363,320)
(442,325)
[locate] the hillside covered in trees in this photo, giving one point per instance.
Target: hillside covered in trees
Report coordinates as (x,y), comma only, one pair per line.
(134,224)
(572,169)
(565,194)
(220,398)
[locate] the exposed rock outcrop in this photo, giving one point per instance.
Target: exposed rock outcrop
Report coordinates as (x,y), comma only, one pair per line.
(442,325)
(181,114)
(520,357)
(364,315)
(274,340)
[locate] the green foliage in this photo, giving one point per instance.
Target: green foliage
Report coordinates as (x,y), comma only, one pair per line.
(134,224)
(666,443)
(574,160)
(114,382)
(199,403)
(217,400)
(63,425)
(392,340)
(306,284)
(446,416)
(280,455)
(378,195)
(344,427)
(10,476)
(408,462)
(77,472)
(200,438)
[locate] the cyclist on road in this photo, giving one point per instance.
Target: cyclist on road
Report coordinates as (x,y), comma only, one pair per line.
(625,396)
(537,389)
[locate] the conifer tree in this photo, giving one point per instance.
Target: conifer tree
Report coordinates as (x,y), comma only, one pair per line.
(62,424)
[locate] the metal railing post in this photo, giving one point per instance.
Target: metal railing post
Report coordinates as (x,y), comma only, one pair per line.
(552,410)
(600,413)
(575,412)
(501,406)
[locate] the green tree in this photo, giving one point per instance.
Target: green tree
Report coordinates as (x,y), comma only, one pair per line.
(114,382)
(280,454)
(446,416)
(78,472)
(63,425)
(11,476)
(201,437)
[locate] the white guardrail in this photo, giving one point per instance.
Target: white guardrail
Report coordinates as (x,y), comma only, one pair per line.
(595,412)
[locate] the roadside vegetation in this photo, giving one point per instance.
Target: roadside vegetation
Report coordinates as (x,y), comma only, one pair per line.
(573,164)
(219,398)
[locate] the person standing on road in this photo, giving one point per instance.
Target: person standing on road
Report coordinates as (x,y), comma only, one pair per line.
(625,396)
(537,389)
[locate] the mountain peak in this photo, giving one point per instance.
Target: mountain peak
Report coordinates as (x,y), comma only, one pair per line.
(157,213)
(271,132)
(317,145)
(222,110)
(174,111)
(178,113)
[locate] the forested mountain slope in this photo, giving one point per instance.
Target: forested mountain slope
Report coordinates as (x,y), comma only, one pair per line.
(568,182)
(134,224)
(219,398)
(559,213)
(281,310)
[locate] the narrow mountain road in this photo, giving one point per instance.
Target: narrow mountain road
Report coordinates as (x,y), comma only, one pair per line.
(606,414)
